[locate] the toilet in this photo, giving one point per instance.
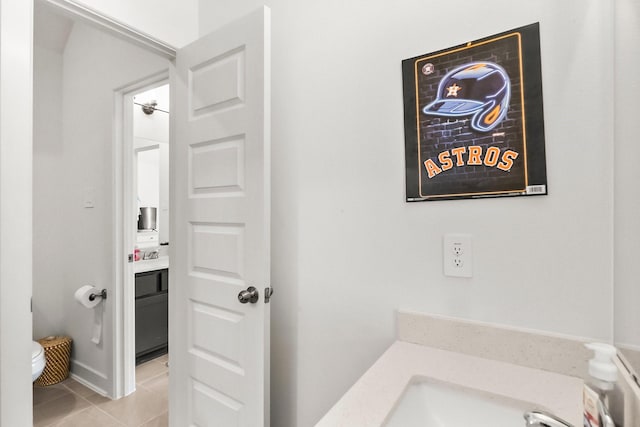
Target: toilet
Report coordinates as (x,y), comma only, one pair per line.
(37,360)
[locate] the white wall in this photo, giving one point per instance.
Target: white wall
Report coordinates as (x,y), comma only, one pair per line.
(542,263)
(94,64)
(627,176)
(16,88)
(49,208)
(174,22)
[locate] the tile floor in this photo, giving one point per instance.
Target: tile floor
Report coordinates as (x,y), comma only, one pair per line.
(70,404)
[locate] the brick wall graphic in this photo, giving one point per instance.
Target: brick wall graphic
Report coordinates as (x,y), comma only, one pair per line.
(474,120)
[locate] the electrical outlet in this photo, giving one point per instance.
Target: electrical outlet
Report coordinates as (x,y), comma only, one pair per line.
(457,255)
(458,249)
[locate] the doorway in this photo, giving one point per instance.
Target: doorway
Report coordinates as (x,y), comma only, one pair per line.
(143,123)
(222,148)
(150,189)
(80,70)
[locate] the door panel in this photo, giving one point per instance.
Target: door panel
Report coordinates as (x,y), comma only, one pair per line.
(220,245)
(218,249)
(217,166)
(217,83)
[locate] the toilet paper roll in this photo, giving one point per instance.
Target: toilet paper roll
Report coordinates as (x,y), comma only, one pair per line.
(83,293)
(82,296)
(96,331)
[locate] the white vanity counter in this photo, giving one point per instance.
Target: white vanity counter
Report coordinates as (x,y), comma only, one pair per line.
(151,264)
(369,402)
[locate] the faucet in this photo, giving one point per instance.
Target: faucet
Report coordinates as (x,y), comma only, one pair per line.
(543,419)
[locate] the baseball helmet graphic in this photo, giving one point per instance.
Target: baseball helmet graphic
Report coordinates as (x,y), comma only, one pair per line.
(478,89)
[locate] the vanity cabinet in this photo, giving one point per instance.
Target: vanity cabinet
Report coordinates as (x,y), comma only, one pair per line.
(152,314)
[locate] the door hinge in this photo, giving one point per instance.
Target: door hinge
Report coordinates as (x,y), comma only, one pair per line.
(267,294)
(130,257)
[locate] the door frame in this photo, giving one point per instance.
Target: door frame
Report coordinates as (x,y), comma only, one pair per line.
(96,19)
(16,194)
(124,368)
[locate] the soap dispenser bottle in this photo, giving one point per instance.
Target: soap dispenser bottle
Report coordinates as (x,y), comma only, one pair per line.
(603,374)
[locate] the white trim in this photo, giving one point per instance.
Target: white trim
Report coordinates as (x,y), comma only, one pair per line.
(113,26)
(153,146)
(88,385)
(124,226)
(93,379)
(16,213)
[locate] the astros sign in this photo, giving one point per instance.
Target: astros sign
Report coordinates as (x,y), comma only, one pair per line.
(474,123)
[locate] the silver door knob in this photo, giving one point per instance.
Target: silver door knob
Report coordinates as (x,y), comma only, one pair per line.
(250,295)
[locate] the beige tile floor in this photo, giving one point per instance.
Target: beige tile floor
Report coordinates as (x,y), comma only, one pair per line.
(70,404)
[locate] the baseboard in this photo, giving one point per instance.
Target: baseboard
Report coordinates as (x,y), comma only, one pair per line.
(89,377)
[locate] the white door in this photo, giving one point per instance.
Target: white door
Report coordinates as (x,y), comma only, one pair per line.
(220,243)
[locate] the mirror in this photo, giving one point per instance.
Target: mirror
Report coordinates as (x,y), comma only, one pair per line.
(151,142)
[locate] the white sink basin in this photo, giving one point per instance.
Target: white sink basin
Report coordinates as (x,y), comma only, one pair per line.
(428,403)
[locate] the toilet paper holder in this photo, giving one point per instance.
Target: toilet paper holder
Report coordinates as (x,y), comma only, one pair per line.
(102,294)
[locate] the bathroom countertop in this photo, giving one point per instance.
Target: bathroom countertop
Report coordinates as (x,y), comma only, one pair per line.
(151,264)
(372,398)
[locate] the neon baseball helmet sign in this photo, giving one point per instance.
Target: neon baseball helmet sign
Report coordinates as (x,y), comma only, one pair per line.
(478,89)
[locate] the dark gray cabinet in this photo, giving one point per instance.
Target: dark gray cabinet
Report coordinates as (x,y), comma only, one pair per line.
(152,314)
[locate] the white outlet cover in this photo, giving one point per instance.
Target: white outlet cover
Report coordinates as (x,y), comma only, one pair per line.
(457,255)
